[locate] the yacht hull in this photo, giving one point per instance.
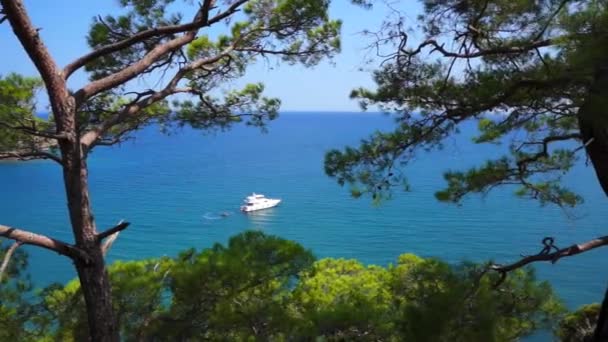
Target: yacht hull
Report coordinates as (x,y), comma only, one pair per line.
(269,203)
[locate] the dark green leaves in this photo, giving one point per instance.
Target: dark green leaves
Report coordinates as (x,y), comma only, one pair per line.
(202,51)
(15,288)
(363,3)
(229,287)
(17,113)
(17,95)
(439,302)
(297,31)
(343,300)
(580,324)
(246,105)
(525,171)
(512,66)
(476,180)
(141,15)
(261,287)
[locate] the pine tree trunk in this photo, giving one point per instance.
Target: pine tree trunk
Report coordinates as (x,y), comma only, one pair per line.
(601,330)
(92,273)
(98,298)
(593,124)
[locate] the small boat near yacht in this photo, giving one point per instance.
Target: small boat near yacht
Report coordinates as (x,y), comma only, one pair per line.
(258,202)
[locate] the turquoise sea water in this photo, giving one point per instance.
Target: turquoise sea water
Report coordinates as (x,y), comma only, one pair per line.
(172,189)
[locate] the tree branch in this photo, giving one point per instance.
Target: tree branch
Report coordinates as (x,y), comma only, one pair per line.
(263,51)
(552,138)
(111,235)
(495,51)
(31,155)
(108,243)
(122,225)
(29,238)
(7,257)
(29,38)
(2,16)
(115,139)
(132,70)
(521,163)
(125,43)
(33,131)
(199,23)
(546,255)
(549,20)
(90,138)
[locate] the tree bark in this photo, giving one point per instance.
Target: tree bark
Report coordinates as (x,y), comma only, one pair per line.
(601,330)
(593,125)
(7,258)
(94,280)
(91,270)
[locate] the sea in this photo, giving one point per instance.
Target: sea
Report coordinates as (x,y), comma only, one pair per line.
(184,190)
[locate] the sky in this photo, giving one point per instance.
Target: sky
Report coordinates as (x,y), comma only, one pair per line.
(326,87)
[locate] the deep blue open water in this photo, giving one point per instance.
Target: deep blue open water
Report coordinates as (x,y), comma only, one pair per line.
(172,189)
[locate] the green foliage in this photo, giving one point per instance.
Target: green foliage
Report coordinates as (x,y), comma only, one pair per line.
(317,33)
(196,295)
(293,31)
(246,105)
(139,16)
(17,112)
(16,93)
(580,324)
(343,300)
(475,180)
(520,69)
(15,287)
(506,171)
(263,288)
(363,3)
(138,289)
(237,287)
(437,302)
(62,312)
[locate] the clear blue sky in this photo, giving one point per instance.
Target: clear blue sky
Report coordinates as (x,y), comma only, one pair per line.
(65,23)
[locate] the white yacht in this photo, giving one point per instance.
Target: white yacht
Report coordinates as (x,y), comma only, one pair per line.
(258,202)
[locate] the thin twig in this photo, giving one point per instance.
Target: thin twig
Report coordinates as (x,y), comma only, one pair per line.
(108,243)
(7,257)
(120,226)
